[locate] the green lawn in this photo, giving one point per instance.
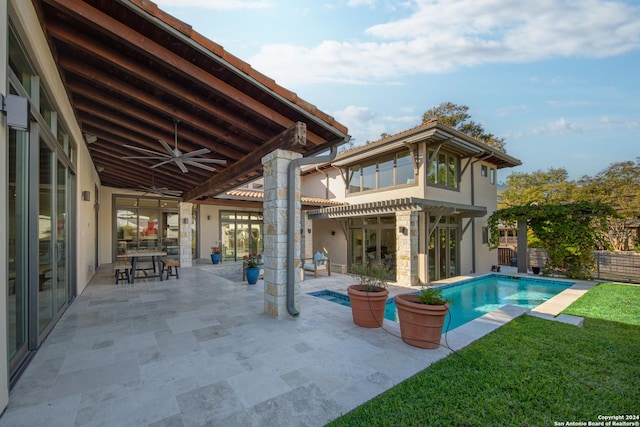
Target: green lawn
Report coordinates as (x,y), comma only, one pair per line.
(609,301)
(530,372)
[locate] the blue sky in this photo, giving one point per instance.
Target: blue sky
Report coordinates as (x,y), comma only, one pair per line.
(558,79)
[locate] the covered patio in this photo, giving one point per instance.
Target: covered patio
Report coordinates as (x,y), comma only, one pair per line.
(201,351)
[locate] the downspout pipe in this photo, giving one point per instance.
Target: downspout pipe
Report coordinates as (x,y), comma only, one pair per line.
(291,218)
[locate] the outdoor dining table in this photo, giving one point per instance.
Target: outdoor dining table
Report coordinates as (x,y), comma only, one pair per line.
(155,256)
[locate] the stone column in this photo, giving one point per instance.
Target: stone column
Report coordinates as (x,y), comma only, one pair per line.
(407,261)
(186,213)
(275,231)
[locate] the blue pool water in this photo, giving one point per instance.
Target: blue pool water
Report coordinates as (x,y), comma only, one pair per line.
(476,297)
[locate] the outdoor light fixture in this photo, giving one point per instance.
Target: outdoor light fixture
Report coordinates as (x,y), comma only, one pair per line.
(208,217)
(333,233)
(185,220)
(309,230)
(86,196)
(403,230)
(90,138)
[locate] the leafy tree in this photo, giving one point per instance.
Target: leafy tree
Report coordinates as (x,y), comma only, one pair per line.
(457,117)
(569,233)
(619,186)
(540,186)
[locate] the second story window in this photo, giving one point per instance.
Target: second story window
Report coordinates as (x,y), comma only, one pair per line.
(386,172)
(444,170)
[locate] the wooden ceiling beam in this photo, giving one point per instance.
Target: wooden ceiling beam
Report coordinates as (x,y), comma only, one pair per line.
(115,29)
(130,92)
(290,138)
(217,146)
(106,115)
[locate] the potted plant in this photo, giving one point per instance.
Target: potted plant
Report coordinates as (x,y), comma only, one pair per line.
(368,297)
(252,263)
(421,317)
(216,254)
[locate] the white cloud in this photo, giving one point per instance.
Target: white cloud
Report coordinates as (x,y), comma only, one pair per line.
(562,126)
(216,4)
(356,3)
(441,36)
(570,103)
(365,125)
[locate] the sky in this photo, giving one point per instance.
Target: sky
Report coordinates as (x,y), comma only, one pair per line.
(558,79)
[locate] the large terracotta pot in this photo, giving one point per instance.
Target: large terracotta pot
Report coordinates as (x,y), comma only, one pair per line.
(420,324)
(367,308)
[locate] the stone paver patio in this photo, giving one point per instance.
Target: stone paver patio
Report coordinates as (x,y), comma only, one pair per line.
(200,351)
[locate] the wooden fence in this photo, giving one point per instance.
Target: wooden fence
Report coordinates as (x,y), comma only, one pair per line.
(618,266)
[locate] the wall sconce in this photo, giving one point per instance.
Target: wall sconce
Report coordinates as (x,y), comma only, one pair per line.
(309,230)
(86,196)
(185,220)
(403,230)
(208,217)
(333,233)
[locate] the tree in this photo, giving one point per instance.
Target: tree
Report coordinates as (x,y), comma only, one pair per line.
(569,233)
(457,117)
(619,186)
(539,186)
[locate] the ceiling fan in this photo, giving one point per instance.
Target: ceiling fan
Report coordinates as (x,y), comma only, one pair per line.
(161,191)
(178,157)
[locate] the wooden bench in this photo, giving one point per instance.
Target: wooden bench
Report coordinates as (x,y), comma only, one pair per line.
(122,271)
(172,266)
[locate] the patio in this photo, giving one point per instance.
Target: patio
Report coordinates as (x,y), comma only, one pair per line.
(200,351)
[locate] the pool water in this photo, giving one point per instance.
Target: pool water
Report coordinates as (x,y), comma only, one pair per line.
(476,297)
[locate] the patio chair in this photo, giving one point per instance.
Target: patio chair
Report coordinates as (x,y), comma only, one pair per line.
(319,262)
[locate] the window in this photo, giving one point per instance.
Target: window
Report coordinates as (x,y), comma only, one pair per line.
(389,171)
(444,170)
(492,176)
(354,179)
(485,235)
(483,170)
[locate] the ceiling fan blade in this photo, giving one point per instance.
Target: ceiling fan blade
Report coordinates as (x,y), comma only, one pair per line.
(201,160)
(178,161)
(133,147)
(161,163)
(196,153)
(171,151)
(199,165)
(146,157)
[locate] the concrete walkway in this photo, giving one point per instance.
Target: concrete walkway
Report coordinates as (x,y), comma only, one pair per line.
(199,351)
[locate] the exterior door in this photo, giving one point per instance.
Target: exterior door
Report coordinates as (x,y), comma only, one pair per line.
(443,253)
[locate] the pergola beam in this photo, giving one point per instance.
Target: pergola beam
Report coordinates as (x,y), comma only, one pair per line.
(294,136)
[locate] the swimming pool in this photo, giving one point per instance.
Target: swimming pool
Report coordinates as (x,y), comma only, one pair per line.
(476,297)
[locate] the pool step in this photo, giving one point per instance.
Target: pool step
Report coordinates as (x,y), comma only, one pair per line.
(562,318)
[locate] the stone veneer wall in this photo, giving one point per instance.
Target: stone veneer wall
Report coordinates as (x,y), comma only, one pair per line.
(185,211)
(275,231)
(407,249)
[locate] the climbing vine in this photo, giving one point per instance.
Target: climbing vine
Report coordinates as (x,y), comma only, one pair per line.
(569,233)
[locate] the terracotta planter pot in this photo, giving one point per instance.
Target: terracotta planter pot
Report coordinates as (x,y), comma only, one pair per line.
(420,324)
(367,308)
